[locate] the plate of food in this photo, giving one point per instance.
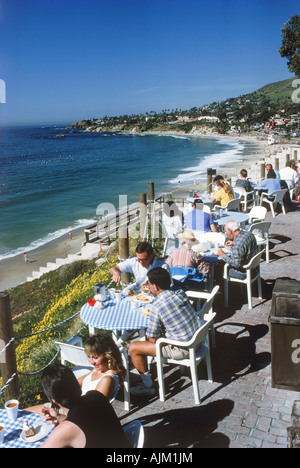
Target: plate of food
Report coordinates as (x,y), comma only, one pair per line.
(223,249)
(36,431)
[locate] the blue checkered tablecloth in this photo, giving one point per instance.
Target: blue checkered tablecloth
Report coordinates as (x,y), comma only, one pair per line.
(115,316)
(13,430)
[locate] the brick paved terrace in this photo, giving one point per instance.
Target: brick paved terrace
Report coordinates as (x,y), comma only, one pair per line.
(240,409)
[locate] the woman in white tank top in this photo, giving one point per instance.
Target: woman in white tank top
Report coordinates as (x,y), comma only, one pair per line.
(109,372)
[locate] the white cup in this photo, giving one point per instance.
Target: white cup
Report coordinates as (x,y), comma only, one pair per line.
(118,296)
(12,408)
(2,431)
(111,293)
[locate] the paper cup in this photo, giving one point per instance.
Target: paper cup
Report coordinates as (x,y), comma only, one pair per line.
(118,296)
(2,431)
(12,408)
(111,293)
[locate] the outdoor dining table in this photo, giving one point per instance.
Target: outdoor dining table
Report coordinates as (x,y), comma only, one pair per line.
(240,218)
(115,316)
(13,437)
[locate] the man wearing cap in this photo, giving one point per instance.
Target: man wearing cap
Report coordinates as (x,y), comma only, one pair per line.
(184,256)
(199,220)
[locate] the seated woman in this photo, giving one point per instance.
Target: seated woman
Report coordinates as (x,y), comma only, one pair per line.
(224,195)
(109,372)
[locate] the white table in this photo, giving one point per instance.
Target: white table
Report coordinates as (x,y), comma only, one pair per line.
(240,218)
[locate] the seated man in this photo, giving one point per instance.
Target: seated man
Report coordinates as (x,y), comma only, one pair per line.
(139,266)
(184,256)
(199,220)
(88,421)
(244,247)
(289,175)
(269,167)
(243,182)
(172,311)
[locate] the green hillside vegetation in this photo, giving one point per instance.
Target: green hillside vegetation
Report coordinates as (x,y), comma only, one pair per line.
(278,92)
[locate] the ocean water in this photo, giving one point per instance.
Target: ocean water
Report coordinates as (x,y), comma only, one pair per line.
(50,185)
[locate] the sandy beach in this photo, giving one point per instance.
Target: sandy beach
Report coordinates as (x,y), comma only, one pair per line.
(14,271)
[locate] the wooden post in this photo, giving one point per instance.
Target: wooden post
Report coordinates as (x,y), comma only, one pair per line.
(124,251)
(262,171)
(8,358)
(143,216)
(151,196)
(210,173)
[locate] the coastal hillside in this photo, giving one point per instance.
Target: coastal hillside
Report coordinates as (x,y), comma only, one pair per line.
(279,92)
(244,113)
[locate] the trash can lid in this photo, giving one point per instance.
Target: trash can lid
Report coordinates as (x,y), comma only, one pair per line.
(286,299)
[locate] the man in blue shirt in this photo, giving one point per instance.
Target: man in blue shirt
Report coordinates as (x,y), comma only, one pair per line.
(199,220)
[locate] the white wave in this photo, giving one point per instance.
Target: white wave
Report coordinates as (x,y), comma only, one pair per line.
(215,160)
(80,223)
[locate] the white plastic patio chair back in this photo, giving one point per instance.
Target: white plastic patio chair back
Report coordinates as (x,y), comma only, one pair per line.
(261,232)
(257,213)
(291,187)
(254,262)
(278,198)
(233,205)
(206,311)
(245,198)
(134,433)
(73,352)
(199,350)
(170,228)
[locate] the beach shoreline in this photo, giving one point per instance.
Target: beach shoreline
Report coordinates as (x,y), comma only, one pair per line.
(14,270)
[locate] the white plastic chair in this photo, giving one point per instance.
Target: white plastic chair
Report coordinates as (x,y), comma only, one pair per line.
(199,350)
(134,433)
(291,186)
(170,228)
(245,198)
(206,311)
(254,262)
(261,232)
(278,198)
(232,205)
(73,352)
(257,213)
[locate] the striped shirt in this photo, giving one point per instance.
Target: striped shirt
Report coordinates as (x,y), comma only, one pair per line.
(183,257)
(173,316)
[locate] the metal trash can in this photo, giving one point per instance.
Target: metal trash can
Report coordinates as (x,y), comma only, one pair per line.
(285,334)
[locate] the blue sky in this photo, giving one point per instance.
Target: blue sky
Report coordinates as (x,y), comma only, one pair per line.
(67,60)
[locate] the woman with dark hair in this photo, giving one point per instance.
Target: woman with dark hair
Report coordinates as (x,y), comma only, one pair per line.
(87,421)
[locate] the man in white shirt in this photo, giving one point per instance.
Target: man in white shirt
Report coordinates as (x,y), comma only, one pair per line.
(139,266)
(289,175)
